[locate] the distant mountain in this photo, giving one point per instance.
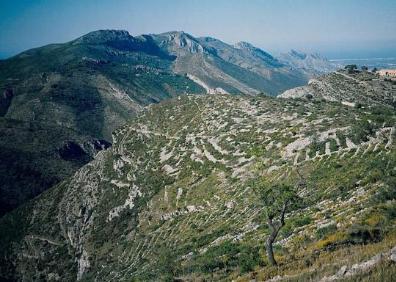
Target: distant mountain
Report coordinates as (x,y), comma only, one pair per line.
(214,64)
(311,64)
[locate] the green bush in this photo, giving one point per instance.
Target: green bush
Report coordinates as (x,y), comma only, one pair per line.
(323,232)
(361,131)
(363,234)
(228,255)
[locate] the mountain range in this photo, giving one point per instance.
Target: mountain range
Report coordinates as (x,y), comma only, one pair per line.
(60,103)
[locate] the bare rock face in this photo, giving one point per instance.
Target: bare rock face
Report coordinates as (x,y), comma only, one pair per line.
(393,254)
(179,43)
(5,100)
(361,268)
(73,151)
(298,92)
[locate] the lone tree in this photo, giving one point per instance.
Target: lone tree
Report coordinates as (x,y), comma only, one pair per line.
(277,200)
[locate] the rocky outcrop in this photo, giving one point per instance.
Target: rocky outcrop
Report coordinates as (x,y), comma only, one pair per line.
(356,89)
(346,272)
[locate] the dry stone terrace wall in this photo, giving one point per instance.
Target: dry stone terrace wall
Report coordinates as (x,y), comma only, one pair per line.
(177,179)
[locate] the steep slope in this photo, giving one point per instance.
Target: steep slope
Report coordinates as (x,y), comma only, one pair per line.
(352,89)
(242,68)
(173,198)
(75,92)
(35,156)
(311,64)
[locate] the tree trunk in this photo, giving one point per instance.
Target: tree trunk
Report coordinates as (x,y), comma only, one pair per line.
(270,251)
(274,229)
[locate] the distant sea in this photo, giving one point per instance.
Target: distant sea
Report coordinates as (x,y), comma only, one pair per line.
(379,63)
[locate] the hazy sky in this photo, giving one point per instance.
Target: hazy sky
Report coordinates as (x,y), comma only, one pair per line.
(335,28)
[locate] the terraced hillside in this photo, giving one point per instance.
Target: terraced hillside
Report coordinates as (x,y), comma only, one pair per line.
(352,89)
(173,197)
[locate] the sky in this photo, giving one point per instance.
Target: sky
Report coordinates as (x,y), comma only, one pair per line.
(334,28)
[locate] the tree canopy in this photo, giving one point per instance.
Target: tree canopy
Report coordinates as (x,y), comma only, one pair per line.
(277,199)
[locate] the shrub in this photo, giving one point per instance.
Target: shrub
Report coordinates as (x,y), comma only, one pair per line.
(305,220)
(249,258)
(361,131)
(374,176)
(351,68)
(322,232)
(331,240)
(374,219)
(363,234)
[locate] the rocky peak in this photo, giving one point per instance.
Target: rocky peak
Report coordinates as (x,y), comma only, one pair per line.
(104,36)
(180,39)
(121,40)
(257,52)
(244,45)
